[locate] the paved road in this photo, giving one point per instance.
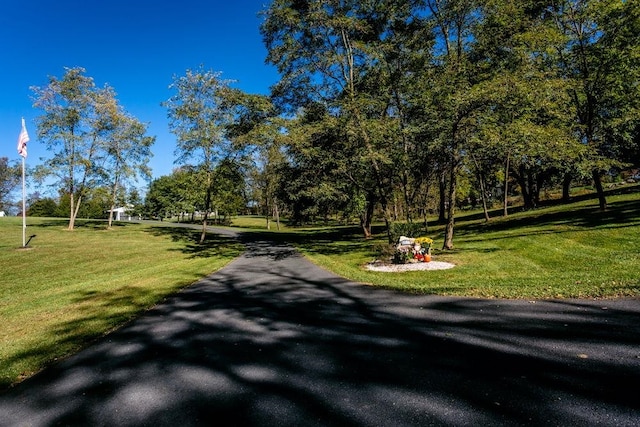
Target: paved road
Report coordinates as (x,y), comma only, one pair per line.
(272,340)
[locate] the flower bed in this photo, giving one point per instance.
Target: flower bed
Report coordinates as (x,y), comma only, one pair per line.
(409,254)
(410,250)
(416,266)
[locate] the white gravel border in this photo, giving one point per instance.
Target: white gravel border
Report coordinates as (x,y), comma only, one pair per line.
(417,266)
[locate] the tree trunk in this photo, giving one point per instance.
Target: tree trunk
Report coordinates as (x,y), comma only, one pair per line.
(566,187)
(506,185)
(207,203)
(448,237)
(113,206)
(522,178)
(395,209)
(387,222)
(277,212)
(72,210)
(597,180)
(483,190)
(443,197)
(365,223)
(534,189)
(113,201)
(487,218)
(267,215)
(203,234)
(366,217)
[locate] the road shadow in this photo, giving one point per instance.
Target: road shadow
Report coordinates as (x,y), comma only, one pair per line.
(215,243)
(273,340)
(326,241)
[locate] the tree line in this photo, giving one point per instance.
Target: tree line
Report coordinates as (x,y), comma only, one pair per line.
(95,143)
(397,101)
(389,108)
(97,147)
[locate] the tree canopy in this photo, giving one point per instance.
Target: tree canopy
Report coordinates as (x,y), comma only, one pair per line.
(401,95)
(89,134)
(385,109)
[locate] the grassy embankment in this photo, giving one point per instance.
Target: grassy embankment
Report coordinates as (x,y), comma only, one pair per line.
(70,287)
(562,251)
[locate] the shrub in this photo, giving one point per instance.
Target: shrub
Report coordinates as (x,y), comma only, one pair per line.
(408,229)
(384,251)
(401,256)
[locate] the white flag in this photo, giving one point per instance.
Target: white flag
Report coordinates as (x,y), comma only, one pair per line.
(22,141)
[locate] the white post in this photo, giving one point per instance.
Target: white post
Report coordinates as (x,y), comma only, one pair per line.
(24,211)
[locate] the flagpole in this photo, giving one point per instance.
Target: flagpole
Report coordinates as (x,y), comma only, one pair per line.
(24,211)
(22,150)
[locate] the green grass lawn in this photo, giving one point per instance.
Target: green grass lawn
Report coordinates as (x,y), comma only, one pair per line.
(563,251)
(70,287)
(255,222)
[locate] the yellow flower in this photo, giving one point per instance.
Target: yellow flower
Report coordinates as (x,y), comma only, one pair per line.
(424,241)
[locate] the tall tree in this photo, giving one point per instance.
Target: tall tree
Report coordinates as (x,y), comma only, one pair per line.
(67,128)
(93,139)
(199,120)
(229,190)
(399,76)
(173,194)
(454,22)
(313,183)
(599,57)
(42,207)
(127,147)
(324,51)
(260,132)
(135,201)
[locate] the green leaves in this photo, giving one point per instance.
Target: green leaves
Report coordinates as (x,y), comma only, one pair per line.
(93,140)
(410,89)
(197,117)
(9,180)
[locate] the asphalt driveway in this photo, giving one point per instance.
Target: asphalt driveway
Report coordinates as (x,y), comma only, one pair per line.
(272,340)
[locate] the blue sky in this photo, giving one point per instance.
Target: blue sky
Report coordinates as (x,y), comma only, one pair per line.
(136,46)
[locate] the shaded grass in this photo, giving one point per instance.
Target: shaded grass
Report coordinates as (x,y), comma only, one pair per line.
(70,287)
(563,251)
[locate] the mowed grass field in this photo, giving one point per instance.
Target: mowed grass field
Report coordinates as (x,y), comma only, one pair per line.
(563,251)
(70,287)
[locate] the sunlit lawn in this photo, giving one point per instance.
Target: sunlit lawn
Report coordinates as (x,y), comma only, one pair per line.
(572,251)
(254,222)
(70,287)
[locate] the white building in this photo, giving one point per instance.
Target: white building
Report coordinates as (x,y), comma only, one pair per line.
(120,213)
